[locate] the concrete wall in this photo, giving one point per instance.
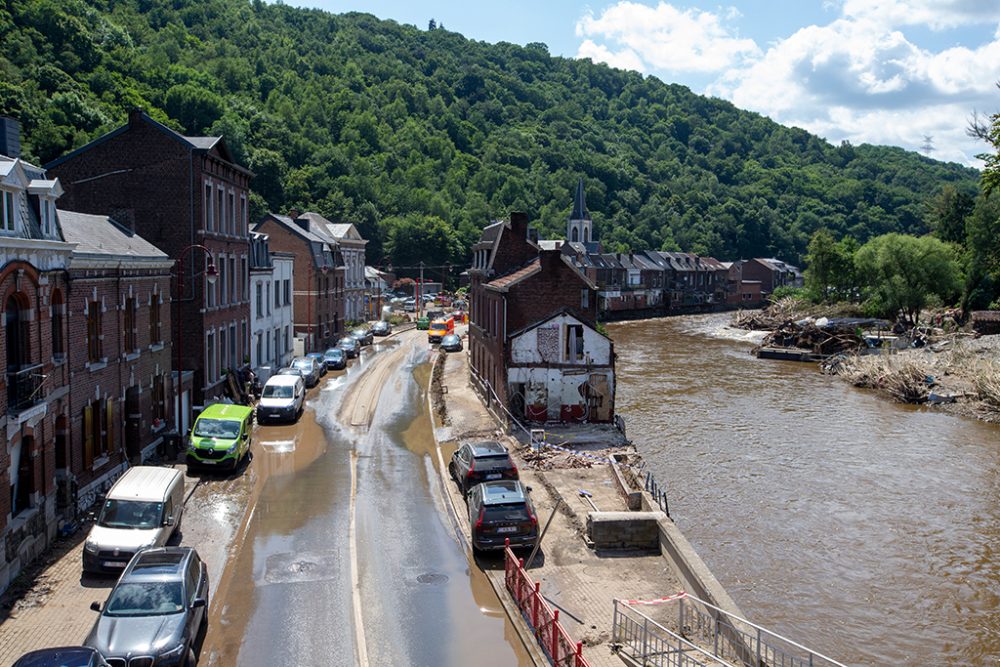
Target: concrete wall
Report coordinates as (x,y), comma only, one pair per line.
(624,530)
(547,343)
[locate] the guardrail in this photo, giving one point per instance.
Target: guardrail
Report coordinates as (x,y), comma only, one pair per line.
(704,630)
(551,636)
(658,494)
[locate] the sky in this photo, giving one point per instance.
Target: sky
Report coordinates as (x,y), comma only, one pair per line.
(905,73)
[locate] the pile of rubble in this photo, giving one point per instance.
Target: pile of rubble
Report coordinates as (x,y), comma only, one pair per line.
(822,336)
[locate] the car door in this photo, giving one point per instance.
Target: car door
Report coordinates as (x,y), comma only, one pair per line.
(460,462)
(194,581)
(245,435)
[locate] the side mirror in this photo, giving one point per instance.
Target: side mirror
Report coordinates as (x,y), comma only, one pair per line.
(169,521)
(199,602)
(96,606)
(528,489)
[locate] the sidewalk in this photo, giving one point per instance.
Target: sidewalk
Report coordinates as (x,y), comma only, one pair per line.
(574,579)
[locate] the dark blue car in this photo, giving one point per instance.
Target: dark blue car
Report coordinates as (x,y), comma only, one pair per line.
(65,656)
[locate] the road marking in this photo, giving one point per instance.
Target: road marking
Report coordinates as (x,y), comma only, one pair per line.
(361,648)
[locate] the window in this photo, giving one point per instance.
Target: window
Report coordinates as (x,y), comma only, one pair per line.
(159,398)
(260,300)
(267,347)
(233,361)
(46,217)
(260,349)
(268,298)
(129,332)
(94,332)
(209,287)
(232,213)
(98,430)
(155,335)
(58,309)
(223,282)
(234,291)
(574,342)
(221,211)
(209,208)
(244,279)
(244,341)
(9,215)
(243,215)
(288,291)
(222,351)
(277,294)
(585,298)
(210,361)
(288,341)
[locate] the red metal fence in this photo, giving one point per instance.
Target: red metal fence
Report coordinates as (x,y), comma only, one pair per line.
(558,646)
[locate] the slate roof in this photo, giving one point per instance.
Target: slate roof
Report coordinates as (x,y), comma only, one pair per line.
(316,236)
(100,235)
(580,211)
(504,282)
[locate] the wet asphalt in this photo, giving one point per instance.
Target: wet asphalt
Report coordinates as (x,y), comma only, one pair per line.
(286,596)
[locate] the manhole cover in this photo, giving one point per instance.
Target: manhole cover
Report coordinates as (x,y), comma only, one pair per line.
(432,578)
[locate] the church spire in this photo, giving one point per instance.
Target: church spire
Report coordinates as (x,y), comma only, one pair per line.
(580,211)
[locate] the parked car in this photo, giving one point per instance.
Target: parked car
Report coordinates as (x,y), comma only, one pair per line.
(499,511)
(143,509)
(423,323)
(320,361)
(157,609)
(410,305)
(65,656)
(363,335)
(309,368)
(288,370)
(381,328)
(350,346)
(335,359)
(220,437)
(282,398)
(451,343)
(476,462)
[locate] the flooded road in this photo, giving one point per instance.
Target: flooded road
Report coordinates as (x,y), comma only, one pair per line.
(286,597)
(865,529)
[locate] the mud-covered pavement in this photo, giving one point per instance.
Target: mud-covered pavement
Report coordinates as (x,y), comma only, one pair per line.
(296,588)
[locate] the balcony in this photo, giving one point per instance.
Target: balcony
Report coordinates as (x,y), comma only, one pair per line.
(24,388)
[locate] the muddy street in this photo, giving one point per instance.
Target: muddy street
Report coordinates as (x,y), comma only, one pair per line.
(305,584)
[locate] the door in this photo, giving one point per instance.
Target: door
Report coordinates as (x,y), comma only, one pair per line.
(133,425)
(185,411)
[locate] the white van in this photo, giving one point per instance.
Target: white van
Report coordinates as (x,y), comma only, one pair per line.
(143,509)
(282,398)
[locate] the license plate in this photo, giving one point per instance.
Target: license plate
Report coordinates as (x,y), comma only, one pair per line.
(113,563)
(210,462)
(494,475)
(507,529)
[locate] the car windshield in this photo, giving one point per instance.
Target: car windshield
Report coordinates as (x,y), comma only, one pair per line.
(506,513)
(146,598)
(334,354)
(450,339)
(277,391)
(137,514)
(347,342)
(302,363)
(217,428)
(359,332)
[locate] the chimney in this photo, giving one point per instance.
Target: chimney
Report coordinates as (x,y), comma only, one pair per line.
(294,213)
(10,137)
(135,116)
(519,224)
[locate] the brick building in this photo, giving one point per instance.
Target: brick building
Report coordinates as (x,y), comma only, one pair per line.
(772,274)
(118,303)
(187,197)
(318,284)
(532,334)
(34,387)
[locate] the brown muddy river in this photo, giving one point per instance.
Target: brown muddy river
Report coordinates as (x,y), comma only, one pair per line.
(862,528)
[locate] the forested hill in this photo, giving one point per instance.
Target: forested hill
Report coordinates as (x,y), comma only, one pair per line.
(421,136)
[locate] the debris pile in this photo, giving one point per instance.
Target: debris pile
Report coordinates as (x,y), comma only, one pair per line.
(987,384)
(822,336)
(904,379)
(772,317)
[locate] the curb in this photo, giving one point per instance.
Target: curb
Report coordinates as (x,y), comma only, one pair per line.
(497,581)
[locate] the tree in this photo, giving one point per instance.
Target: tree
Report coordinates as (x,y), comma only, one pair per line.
(413,238)
(983,254)
(899,273)
(947,213)
(830,274)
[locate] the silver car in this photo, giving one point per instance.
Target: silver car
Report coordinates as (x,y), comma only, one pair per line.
(310,370)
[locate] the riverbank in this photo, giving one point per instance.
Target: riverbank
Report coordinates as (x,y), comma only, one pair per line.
(577,579)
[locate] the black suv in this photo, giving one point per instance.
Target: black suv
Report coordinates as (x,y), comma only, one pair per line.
(156,610)
(476,462)
(499,511)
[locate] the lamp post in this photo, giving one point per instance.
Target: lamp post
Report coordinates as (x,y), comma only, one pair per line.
(211,273)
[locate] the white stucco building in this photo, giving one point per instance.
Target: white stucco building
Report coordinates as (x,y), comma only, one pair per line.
(271,318)
(352,249)
(561,369)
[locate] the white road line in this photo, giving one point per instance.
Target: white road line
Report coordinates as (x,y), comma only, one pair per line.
(360,647)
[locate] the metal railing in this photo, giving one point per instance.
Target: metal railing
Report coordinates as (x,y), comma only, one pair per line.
(705,630)
(658,494)
(551,636)
(24,388)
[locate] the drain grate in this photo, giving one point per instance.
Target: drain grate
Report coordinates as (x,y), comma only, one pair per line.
(432,578)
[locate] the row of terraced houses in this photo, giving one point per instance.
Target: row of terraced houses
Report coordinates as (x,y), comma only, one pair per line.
(135,290)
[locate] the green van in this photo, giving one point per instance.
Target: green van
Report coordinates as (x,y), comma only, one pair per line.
(220,437)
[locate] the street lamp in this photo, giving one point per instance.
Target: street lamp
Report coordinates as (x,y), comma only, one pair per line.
(211,275)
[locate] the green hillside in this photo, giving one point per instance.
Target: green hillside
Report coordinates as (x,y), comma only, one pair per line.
(421,136)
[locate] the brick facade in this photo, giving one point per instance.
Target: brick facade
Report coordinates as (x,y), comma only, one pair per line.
(178,193)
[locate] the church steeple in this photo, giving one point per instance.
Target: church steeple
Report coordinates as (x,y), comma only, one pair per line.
(579,226)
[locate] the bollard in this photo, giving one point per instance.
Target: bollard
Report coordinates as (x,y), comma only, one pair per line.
(555,637)
(579,654)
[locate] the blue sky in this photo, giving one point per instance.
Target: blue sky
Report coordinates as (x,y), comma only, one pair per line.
(879,71)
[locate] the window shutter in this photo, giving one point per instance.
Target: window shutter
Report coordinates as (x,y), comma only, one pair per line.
(109,433)
(88,436)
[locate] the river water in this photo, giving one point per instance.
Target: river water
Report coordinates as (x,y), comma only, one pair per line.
(864,529)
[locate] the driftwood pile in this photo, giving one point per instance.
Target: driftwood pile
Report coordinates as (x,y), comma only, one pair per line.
(987,384)
(807,335)
(905,380)
(770,318)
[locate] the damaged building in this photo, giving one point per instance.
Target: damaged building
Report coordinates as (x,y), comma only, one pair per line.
(533,339)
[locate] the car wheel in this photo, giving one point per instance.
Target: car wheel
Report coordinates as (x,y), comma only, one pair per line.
(451,471)
(192,659)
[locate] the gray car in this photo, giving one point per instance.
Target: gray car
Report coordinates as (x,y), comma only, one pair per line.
(156,611)
(363,335)
(310,370)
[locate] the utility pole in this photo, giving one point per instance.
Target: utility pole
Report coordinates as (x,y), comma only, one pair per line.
(420,291)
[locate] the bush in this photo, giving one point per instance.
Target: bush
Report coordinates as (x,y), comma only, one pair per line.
(788,292)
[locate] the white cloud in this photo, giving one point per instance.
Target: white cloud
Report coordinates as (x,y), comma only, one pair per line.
(859,77)
(663,38)
(936,14)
